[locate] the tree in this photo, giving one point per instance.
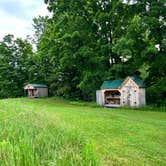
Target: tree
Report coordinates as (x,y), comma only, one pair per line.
(87,42)
(14,55)
(77,44)
(143,46)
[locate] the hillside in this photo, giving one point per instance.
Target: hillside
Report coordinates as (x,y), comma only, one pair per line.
(49,132)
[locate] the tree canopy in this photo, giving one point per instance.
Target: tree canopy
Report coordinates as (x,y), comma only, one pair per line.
(86,42)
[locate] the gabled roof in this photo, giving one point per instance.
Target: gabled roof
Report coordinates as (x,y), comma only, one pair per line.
(138,81)
(39,85)
(31,86)
(115,84)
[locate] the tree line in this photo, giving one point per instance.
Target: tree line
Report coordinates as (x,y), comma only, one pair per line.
(86,42)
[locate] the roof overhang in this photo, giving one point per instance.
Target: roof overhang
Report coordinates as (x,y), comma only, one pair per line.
(29,86)
(118,84)
(126,80)
(110,89)
(35,86)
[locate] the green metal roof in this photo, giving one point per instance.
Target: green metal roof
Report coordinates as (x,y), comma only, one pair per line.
(38,85)
(138,81)
(114,84)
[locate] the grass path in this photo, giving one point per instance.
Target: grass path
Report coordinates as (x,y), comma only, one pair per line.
(71,133)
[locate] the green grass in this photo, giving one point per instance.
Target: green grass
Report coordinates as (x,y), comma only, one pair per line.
(54,132)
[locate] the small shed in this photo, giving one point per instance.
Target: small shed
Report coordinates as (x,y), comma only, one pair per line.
(123,92)
(36,90)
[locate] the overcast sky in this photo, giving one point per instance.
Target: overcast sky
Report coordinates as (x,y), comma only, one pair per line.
(16,16)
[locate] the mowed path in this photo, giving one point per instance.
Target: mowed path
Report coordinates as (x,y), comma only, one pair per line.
(118,136)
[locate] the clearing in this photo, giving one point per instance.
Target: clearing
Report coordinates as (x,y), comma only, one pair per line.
(55,132)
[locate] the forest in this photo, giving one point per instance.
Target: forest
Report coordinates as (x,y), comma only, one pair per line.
(86,42)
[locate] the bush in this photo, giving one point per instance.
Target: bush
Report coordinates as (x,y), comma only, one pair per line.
(157,93)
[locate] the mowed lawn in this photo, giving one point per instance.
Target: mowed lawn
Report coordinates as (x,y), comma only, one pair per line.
(55,132)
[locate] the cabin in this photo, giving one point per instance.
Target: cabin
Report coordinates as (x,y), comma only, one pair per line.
(123,92)
(36,90)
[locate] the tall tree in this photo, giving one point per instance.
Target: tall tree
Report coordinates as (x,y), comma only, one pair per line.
(14,55)
(143,46)
(86,42)
(79,39)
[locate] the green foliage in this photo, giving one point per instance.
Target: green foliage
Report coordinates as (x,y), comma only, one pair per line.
(14,63)
(80,34)
(137,47)
(156,93)
(86,42)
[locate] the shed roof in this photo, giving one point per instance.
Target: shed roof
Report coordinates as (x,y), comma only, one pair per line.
(115,84)
(138,81)
(38,85)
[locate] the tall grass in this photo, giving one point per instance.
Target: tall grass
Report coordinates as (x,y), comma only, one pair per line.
(32,138)
(56,132)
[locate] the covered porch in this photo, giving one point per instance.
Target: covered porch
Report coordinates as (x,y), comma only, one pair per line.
(112,98)
(32,93)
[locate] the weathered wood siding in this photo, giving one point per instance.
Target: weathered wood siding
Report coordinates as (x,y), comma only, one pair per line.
(99,97)
(42,92)
(142,97)
(129,93)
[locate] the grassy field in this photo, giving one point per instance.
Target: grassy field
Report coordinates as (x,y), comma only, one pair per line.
(54,132)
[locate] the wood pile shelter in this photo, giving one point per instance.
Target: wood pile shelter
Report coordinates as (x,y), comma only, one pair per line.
(36,90)
(127,92)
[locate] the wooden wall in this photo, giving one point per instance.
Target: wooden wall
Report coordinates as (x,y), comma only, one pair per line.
(42,92)
(99,97)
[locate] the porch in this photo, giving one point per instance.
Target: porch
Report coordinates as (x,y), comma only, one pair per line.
(112,98)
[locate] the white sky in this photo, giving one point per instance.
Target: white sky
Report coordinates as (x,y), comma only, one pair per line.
(16,16)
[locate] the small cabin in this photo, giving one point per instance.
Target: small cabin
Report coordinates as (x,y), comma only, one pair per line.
(36,90)
(124,92)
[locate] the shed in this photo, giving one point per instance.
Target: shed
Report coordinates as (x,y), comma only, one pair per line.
(123,92)
(36,90)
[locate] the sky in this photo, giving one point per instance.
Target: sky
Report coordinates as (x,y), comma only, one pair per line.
(16,16)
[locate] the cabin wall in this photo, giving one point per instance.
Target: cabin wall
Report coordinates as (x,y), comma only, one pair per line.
(129,94)
(99,97)
(42,92)
(142,96)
